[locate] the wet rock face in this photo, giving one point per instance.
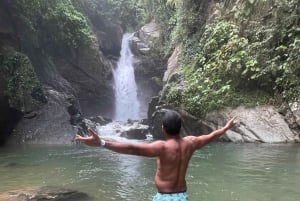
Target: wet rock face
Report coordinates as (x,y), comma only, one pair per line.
(149,65)
(84,73)
(50,125)
(109,39)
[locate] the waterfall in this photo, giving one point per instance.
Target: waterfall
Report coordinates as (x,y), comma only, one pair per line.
(127,104)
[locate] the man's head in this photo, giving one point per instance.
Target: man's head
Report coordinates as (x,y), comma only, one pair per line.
(172,123)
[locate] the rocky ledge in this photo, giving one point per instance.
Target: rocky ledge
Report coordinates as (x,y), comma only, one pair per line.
(257,124)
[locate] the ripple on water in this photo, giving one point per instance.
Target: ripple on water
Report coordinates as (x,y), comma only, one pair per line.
(244,172)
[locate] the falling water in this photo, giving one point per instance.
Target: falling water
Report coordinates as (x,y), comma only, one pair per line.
(127,104)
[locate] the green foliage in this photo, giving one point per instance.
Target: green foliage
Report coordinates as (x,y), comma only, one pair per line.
(275,44)
(172,95)
(218,66)
(123,12)
(55,24)
(23,88)
(246,55)
(289,82)
(62,23)
(163,13)
(204,95)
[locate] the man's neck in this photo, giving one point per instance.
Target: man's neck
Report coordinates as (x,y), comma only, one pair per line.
(172,137)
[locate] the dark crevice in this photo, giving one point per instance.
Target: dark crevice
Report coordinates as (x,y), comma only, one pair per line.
(9,117)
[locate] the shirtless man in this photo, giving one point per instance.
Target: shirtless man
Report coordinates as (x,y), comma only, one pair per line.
(173,154)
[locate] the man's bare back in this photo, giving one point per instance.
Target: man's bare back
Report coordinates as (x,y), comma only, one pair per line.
(172,165)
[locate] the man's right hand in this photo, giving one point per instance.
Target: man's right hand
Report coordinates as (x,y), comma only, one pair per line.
(93,140)
(231,123)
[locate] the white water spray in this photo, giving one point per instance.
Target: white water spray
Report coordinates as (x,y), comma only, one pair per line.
(127,104)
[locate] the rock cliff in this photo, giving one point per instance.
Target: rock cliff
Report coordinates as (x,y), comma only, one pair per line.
(41,76)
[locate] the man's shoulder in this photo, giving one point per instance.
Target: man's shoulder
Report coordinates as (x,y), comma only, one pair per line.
(191,140)
(189,137)
(158,143)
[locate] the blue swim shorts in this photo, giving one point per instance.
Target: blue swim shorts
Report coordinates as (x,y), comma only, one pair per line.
(180,196)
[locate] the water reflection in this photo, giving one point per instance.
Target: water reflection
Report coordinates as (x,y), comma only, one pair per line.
(244,172)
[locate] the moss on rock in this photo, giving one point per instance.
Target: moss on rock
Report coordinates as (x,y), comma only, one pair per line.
(21,85)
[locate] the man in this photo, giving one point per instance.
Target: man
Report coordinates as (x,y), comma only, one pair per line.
(173,154)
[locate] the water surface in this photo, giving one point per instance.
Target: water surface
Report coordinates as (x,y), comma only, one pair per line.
(220,171)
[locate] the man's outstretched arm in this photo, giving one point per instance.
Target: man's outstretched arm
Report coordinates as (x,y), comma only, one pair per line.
(202,140)
(153,149)
(148,150)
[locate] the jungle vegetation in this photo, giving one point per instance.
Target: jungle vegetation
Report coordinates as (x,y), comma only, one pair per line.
(241,52)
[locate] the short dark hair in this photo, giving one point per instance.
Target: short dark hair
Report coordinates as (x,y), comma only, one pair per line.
(172,122)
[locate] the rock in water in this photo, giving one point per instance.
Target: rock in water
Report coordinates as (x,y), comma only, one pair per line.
(47,193)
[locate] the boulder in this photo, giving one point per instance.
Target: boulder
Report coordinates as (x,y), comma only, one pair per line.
(295,109)
(142,40)
(135,130)
(101,120)
(257,124)
(138,47)
(156,123)
(120,131)
(50,125)
(149,32)
(135,133)
(152,107)
(45,193)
